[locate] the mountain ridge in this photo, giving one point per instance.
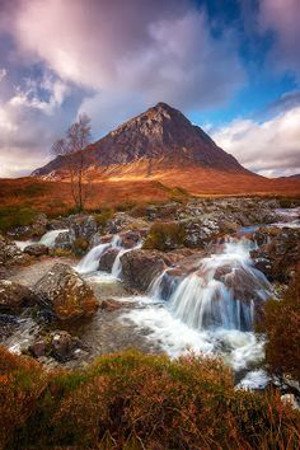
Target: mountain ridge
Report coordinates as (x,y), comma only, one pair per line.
(163,137)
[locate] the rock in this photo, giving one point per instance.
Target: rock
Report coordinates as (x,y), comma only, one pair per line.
(63,345)
(63,241)
(11,255)
(107,260)
(83,226)
(140,267)
(66,293)
(111,305)
(130,239)
(278,257)
(38,348)
(14,296)
(36,249)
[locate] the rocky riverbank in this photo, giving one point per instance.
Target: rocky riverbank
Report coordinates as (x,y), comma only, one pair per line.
(140,268)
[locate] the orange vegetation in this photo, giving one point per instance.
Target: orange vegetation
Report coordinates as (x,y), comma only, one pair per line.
(115,187)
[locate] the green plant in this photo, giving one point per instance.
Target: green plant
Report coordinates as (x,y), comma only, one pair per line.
(165,236)
(281,323)
(15,216)
(104,216)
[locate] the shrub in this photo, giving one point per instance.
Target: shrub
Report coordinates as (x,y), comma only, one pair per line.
(80,246)
(165,236)
(281,323)
(126,205)
(13,216)
(136,401)
(287,202)
(103,217)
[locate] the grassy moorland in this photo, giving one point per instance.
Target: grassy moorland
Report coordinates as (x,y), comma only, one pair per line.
(135,401)
(23,198)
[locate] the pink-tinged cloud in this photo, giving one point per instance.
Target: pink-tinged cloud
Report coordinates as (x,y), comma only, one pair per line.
(271,148)
(159,50)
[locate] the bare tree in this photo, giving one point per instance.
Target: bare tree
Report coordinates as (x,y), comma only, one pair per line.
(77,160)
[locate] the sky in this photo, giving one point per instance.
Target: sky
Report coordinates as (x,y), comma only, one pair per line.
(231,66)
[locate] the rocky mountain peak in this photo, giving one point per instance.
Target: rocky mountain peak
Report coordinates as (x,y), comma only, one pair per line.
(162,135)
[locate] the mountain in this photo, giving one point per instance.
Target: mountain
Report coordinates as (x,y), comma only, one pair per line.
(160,138)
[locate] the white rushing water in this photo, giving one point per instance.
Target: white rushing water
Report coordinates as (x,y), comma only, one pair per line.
(90,262)
(210,311)
(49,238)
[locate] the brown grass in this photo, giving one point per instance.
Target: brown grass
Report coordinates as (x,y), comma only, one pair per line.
(134,401)
(110,190)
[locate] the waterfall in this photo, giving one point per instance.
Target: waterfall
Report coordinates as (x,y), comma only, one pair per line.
(90,261)
(221,293)
(49,238)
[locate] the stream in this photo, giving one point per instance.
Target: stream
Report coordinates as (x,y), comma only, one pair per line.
(209,311)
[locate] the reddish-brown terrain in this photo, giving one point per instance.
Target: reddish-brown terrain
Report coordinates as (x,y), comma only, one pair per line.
(153,157)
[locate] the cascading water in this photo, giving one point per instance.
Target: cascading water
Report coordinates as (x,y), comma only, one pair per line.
(90,262)
(222,292)
(49,238)
(210,310)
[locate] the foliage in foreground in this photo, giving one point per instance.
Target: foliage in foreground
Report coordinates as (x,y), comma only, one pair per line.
(134,401)
(281,324)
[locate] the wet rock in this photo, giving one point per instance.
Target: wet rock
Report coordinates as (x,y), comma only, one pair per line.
(111,305)
(140,267)
(38,348)
(14,296)
(36,250)
(107,260)
(278,257)
(11,255)
(83,226)
(63,241)
(66,293)
(63,345)
(130,239)
(8,324)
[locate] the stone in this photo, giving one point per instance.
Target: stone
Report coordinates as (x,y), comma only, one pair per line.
(66,294)
(63,345)
(140,267)
(14,296)
(279,255)
(107,259)
(38,348)
(111,305)
(36,250)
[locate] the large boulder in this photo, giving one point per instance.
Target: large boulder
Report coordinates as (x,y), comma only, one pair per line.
(279,255)
(66,293)
(14,296)
(140,267)
(107,260)
(83,226)
(11,255)
(36,249)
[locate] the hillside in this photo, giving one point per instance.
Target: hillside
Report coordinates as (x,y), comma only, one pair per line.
(160,138)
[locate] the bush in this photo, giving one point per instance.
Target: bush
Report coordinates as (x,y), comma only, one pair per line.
(80,246)
(15,216)
(103,217)
(165,236)
(286,202)
(136,401)
(281,323)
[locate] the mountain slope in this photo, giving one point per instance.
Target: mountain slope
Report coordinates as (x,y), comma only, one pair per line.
(162,137)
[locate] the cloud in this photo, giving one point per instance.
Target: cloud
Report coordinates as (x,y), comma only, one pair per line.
(159,50)
(271,148)
(282,17)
